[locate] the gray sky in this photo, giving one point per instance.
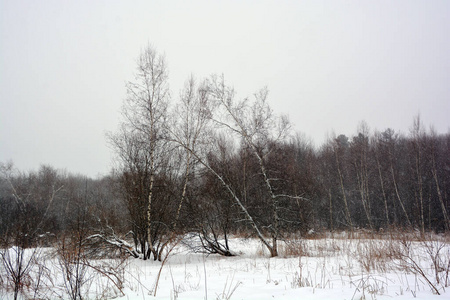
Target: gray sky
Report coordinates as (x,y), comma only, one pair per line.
(327,64)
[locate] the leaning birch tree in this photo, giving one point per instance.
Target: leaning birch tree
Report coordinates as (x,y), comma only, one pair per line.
(256,125)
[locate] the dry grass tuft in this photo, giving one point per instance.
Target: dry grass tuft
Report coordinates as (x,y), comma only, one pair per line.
(375,255)
(294,248)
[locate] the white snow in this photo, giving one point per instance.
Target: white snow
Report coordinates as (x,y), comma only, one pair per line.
(329,268)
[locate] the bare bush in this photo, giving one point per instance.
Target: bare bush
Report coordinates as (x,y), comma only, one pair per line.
(73,265)
(439,253)
(80,272)
(430,261)
(17,265)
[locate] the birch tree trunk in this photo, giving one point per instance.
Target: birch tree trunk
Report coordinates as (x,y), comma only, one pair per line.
(341,185)
(436,181)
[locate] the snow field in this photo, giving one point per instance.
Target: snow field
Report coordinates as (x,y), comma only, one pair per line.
(327,268)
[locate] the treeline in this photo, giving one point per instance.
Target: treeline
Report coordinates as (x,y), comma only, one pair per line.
(44,205)
(386,179)
(208,164)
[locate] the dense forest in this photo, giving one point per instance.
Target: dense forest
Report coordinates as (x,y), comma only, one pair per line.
(210,165)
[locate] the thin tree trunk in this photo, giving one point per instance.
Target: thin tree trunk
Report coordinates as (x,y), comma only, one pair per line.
(397,192)
(150,195)
(383,191)
(361,184)
(367,193)
(420,190)
(331,210)
(347,212)
(183,194)
(441,199)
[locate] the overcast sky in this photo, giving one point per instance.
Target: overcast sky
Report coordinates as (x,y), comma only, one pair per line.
(327,64)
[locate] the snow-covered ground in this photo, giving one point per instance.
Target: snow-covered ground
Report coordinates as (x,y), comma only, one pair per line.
(328,268)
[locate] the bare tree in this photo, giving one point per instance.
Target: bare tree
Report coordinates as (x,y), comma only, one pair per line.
(256,125)
(360,156)
(417,134)
(339,146)
(434,170)
(377,153)
(391,139)
(141,145)
(189,133)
